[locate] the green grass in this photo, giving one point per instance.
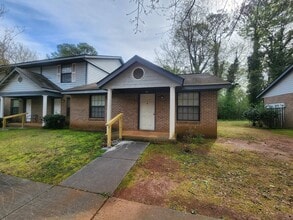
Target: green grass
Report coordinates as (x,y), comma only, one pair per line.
(47,156)
(217,181)
(287,132)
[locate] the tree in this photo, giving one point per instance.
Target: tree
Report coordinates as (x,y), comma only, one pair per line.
(12,51)
(66,49)
(232,73)
(268,24)
(171,58)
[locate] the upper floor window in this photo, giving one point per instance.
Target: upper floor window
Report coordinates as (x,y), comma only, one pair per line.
(188,106)
(66,73)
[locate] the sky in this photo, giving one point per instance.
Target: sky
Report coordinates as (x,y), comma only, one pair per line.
(104,24)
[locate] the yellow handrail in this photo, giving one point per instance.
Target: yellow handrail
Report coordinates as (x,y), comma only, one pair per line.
(22,115)
(109,124)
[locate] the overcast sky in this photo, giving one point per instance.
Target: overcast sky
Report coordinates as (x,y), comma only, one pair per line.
(103,24)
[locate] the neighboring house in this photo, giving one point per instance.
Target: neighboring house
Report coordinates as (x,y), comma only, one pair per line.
(36,87)
(279,95)
(152,100)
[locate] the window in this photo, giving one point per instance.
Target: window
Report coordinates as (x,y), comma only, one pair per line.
(14,106)
(188,106)
(66,73)
(97,106)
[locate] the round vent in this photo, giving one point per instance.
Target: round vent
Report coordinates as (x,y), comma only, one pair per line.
(19,79)
(138,73)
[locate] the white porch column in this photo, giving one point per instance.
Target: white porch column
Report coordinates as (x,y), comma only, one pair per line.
(1,107)
(172,114)
(109,104)
(45,105)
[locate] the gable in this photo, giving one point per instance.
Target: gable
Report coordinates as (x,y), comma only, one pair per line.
(284,86)
(20,84)
(149,79)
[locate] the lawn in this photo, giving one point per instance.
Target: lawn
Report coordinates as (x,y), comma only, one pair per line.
(245,174)
(47,156)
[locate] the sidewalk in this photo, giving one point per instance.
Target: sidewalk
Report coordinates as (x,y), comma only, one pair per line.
(84,195)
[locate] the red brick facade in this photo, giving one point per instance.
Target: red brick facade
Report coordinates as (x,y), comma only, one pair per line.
(207,125)
(128,104)
(79,114)
(288,100)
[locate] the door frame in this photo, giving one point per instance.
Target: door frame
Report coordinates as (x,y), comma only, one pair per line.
(139,110)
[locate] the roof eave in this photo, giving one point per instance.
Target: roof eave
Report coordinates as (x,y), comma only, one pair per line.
(288,70)
(206,87)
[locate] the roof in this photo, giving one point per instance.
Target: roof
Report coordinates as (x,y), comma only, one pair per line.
(53,61)
(37,78)
(276,81)
(202,79)
(137,59)
(90,88)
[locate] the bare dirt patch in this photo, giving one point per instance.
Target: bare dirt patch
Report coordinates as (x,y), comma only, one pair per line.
(161,163)
(149,191)
(276,147)
(238,176)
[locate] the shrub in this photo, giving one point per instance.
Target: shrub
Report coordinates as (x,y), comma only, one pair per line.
(262,116)
(269,117)
(252,115)
(54,121)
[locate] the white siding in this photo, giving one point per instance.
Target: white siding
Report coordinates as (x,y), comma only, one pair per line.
(94,74)
(150,79)
(105,64)
(26,85)
(51,73)
(34,69)
(284,86)
(2,75)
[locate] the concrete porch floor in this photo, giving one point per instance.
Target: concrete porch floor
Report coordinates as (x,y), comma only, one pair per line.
(145,135)
(26,125)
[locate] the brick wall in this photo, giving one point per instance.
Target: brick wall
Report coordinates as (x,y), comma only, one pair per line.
(207,125)
(128,104)
(162,111)
(79,115)
(288,100)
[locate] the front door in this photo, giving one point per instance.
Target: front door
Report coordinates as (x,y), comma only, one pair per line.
(147,112)
(28,110)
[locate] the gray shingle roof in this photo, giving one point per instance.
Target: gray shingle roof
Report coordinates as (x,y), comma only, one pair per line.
(37,78)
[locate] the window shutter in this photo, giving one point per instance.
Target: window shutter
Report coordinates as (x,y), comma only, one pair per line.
(73,73)
(59,73)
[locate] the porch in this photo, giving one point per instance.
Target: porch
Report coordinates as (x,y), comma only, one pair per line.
(146,135)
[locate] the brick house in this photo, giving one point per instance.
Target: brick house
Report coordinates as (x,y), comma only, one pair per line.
(36,87)
(90,90)
(152,100)
(279,95)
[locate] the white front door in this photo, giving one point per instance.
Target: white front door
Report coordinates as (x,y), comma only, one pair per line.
(147,112)
(28,110)
(57,106)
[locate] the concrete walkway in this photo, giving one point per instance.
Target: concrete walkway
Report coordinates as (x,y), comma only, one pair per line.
(83,195)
